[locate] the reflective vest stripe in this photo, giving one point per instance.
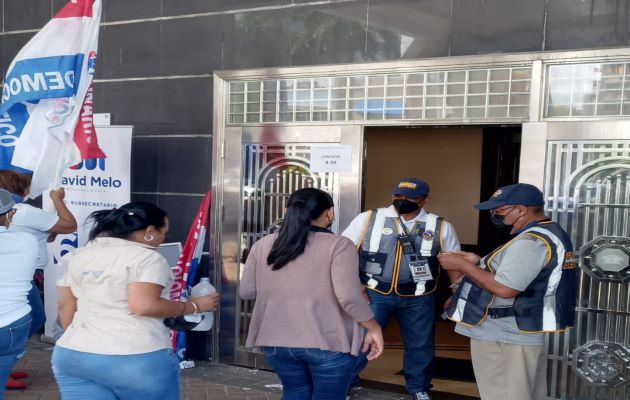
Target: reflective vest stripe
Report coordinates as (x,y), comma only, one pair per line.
(371,283)
(377,230)
(420,288)
(458,314)
(425,249)
(365,229)
(427,245)
(549,307)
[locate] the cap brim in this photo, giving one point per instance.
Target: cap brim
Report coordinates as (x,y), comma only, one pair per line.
(7,208)
(489,205)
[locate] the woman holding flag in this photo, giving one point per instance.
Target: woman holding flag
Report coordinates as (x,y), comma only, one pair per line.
(113,298)
(43,225)
(18,256)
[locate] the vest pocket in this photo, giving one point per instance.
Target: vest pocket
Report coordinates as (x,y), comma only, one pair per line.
(372,263)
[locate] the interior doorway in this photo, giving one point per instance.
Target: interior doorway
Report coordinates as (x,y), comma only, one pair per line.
(463,165)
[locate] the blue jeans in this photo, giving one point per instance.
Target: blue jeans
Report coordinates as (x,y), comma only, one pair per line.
(311,374)
(37,309)
(416,316)
(13,338)
(149,376)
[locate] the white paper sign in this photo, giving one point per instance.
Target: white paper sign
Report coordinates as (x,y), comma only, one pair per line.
(331,158)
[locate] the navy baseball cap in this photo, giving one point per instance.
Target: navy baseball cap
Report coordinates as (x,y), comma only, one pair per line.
(6,202)
(519,194)
(412,188)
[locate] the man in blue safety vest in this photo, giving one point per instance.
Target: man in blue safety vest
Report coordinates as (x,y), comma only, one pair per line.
(398,247)
(508,299)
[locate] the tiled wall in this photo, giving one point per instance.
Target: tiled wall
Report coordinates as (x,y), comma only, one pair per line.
(156,59)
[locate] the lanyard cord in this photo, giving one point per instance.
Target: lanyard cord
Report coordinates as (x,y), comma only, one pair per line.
(406,233)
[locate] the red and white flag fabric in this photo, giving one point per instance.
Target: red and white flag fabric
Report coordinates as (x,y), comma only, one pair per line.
(187,268)
(47,90)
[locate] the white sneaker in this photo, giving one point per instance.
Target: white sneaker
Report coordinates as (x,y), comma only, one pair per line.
(421,396)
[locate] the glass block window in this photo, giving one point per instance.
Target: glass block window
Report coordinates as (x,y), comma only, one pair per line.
(476,94)
(588,90)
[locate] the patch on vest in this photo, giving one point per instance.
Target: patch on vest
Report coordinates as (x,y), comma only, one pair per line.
(570,260)
(387,231)
(428,235)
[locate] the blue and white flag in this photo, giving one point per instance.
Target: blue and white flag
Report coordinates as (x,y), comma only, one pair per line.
(44,92)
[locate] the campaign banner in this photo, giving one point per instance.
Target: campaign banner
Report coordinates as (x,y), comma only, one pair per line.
(93,184)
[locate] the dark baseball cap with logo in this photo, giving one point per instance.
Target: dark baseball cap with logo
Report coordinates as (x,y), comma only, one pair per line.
(519,194)
(412,188)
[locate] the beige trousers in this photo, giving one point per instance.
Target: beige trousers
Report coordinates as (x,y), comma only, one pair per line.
(509,371)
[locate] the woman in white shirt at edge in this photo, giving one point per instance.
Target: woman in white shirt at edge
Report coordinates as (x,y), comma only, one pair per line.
(113,298)
(18,253)
(44,225)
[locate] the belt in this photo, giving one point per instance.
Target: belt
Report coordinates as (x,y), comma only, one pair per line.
(504,312)
(501,312)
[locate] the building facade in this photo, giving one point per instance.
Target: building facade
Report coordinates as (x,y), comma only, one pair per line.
(234,95)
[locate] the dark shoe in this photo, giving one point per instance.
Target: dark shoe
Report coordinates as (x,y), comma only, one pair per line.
(13,384)
(18,374)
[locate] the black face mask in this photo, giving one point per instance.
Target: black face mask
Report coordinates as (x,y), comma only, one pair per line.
(498,221)
(404,206)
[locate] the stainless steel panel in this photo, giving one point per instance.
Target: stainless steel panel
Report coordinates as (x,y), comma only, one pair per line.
(262,167)
(587,191)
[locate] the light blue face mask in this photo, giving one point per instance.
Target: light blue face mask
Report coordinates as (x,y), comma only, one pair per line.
(17,199)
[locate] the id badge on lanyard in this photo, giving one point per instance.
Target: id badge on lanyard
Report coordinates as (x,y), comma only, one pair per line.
(420,270)
(419,266)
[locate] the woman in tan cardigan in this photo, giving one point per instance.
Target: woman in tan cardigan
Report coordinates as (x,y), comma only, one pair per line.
(310,315)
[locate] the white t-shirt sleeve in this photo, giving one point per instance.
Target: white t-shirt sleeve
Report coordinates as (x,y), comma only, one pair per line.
(35,218)
(449,240)
(355,229)
(151,268)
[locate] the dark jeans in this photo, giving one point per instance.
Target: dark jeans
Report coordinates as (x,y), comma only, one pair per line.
(311,374)
(416,316)
(37,309)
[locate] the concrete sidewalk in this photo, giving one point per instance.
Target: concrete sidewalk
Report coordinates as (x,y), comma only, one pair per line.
(206,381)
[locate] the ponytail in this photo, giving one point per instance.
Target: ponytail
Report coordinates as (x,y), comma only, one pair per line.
(304,206)
(122,222)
